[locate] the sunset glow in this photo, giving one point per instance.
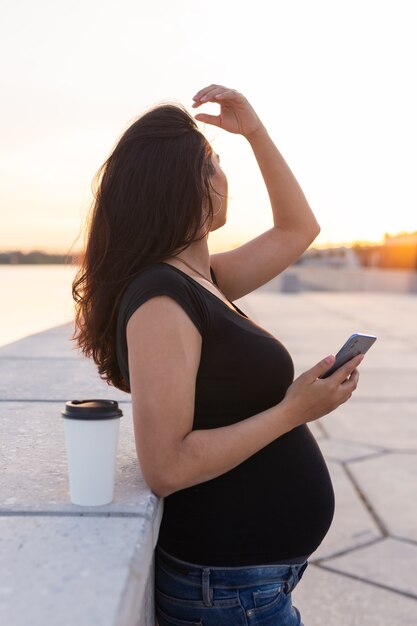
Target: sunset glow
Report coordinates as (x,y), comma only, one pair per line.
(342,114)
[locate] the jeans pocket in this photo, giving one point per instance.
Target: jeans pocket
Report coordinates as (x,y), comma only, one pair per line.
(268,596)
(263,598)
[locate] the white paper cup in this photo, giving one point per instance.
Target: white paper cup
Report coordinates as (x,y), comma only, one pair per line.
(91,438)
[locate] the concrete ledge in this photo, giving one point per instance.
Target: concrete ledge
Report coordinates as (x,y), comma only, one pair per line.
(63,564)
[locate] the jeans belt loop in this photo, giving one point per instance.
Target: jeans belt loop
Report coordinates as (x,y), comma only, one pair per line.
(289,584)
(207,595)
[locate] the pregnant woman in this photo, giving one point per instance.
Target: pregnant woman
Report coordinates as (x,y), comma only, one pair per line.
(220,425)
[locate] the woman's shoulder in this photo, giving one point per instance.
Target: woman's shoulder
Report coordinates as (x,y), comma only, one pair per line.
(162,279)
(157,275)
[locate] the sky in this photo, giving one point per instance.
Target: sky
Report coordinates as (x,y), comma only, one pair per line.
(333,81)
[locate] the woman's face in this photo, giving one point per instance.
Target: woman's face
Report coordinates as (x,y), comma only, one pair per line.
(218,193)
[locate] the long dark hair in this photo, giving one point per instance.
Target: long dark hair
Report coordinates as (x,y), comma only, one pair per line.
(147,207)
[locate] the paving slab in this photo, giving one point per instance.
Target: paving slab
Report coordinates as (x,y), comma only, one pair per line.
(352,524)
(305,328)
(389,563)
(387,384)
(389,483)
(394,386)
(387,314)
(316,430)
(333,599)
(340,450)
(53,379)
(35,431)
(46,366)
(391,355)
(247,306)
(68,570)
(311,309)
(373,308)
(53,343)
(388,424)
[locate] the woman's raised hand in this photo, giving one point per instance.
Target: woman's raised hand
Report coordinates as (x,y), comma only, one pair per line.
(236,114)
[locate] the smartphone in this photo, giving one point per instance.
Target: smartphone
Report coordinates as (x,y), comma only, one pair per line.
(356,344)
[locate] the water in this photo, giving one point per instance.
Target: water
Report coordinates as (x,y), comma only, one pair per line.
(34,298)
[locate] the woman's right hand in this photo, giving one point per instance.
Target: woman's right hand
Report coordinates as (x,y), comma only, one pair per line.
(236,114)
(312,397)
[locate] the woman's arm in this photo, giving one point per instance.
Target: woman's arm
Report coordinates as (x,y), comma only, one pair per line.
(164,350)
(251,265)
(290,209)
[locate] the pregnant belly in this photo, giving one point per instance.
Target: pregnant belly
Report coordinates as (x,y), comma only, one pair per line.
(278,504)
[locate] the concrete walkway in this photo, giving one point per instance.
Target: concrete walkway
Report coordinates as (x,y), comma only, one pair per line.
(365,571)
(60,569)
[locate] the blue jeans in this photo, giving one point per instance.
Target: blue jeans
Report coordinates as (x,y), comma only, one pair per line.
(187,594)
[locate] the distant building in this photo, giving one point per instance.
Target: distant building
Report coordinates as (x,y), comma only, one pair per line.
(397,251)
(343,257)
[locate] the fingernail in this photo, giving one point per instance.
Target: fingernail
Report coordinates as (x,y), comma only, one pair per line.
(329,359)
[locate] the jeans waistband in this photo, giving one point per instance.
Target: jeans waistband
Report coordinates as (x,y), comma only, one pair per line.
(230,576)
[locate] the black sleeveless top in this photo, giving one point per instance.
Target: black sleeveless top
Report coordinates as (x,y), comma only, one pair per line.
(276,506)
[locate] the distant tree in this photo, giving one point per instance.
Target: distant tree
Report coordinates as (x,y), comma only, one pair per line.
(35,257)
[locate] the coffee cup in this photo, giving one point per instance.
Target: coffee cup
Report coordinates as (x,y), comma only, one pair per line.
(91,438)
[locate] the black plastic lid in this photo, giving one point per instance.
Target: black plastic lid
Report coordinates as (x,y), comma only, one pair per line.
(91,409)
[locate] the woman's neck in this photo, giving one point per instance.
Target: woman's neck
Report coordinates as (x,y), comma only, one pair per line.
(197,255)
